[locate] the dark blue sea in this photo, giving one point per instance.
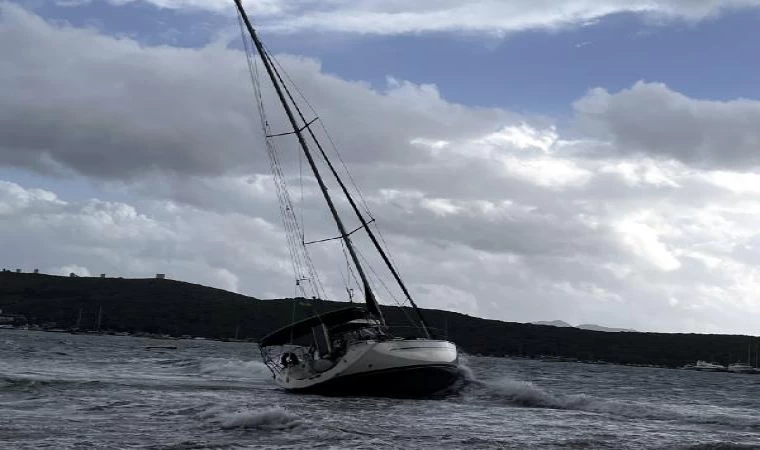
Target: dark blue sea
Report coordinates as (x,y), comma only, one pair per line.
(64,391)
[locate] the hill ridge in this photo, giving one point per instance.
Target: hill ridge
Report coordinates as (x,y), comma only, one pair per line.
(180,308)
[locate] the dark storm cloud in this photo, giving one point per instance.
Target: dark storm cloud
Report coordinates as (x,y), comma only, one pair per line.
(111,108)
(652,119)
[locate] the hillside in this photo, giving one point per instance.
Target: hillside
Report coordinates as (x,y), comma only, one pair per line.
(178,308)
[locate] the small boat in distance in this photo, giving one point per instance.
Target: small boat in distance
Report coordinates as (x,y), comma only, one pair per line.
(350,350)
(705,366)
(740,367)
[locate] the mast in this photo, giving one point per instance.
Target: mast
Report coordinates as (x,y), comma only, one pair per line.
(372,305)
(749,360)
(360,216)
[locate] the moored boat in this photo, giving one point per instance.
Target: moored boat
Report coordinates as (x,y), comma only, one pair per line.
(705,366)
(740,367)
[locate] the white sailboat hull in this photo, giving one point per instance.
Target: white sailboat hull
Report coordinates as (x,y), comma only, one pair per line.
(741,368)
(398,367)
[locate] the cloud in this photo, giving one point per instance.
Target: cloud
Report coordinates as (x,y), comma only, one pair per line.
(652,119)
(39,230)
(478,16)
(261,7)
(189,111)
(486,211)
(644,241)
(149,109)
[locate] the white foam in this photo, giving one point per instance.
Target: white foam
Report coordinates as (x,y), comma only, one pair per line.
(525,393)
(234,368)
(275,418)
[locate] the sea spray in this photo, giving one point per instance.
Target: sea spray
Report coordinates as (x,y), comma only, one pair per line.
(465,373)
(525,393)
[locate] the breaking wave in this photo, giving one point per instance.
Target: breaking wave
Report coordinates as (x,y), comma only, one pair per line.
(525,393)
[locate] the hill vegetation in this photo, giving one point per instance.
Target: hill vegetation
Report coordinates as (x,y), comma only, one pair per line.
(177,308)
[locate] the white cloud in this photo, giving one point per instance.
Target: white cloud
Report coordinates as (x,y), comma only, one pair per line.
(524,137)
(480,16)
(644,241)
(115,238)
(740,183)
(643,172)
(14,198)
(259,7)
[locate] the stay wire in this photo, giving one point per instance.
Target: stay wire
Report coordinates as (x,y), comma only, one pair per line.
(300,258)
(345,168)
(327,133)
(335,148)
(385,286)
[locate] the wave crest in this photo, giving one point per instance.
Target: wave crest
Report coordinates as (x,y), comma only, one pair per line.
(525,393)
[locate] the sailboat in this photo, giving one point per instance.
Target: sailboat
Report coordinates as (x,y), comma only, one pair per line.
(351,350)
(705,366)
(740,367)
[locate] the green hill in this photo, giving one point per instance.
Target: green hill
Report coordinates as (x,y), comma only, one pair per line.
(178,308)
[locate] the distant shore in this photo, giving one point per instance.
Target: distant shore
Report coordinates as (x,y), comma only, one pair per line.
(169,309)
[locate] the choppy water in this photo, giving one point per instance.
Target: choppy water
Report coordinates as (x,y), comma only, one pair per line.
(63,391)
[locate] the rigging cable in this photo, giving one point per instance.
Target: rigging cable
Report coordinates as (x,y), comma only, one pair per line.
(327,133)
(363,201)
(382,251)
(395,299)
(300,259)
(288,212)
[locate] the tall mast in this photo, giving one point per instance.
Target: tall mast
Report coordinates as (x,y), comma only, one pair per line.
(369,296)
(359,215)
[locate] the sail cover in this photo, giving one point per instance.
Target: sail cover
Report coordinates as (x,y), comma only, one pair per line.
(298,329)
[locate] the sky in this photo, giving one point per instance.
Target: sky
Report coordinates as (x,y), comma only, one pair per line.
(592,162)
